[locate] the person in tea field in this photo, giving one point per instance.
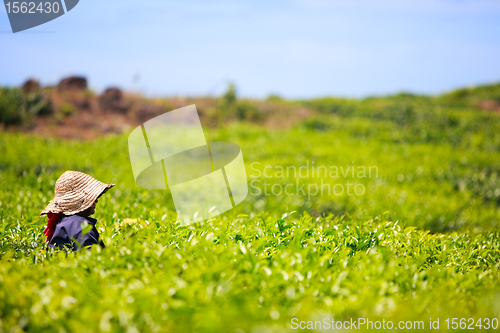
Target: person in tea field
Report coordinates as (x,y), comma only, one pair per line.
(76,196)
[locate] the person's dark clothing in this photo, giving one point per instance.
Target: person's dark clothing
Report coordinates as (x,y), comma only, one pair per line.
(69,228)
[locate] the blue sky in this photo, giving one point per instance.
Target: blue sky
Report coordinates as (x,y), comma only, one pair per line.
(298,49)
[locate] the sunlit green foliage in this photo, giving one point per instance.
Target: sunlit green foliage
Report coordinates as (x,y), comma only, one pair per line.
(421,242)
(252,274)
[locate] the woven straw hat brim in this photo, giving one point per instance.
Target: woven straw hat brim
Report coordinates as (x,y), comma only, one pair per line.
(75,192)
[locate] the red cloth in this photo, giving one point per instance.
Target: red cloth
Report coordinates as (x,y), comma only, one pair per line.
(51,225)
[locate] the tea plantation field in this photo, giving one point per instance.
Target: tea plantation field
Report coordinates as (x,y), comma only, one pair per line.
(414,241)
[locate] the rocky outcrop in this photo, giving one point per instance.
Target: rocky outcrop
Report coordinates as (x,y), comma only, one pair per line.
(31,85)
(72,83)
(113,100)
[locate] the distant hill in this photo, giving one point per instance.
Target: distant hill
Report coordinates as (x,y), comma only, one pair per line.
(71,110)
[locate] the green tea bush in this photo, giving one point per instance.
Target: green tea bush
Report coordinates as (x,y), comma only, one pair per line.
(38,104)
(17,108)
(330,105)
(249,274)
(471,97)
(247,111)
(12,107)
(67,109)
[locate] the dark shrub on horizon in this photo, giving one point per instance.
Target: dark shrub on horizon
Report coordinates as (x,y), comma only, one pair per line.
(12,107)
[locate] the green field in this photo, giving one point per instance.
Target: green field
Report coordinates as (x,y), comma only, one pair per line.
(419,242)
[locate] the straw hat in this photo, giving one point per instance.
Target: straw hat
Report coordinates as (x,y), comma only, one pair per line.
(74,193)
